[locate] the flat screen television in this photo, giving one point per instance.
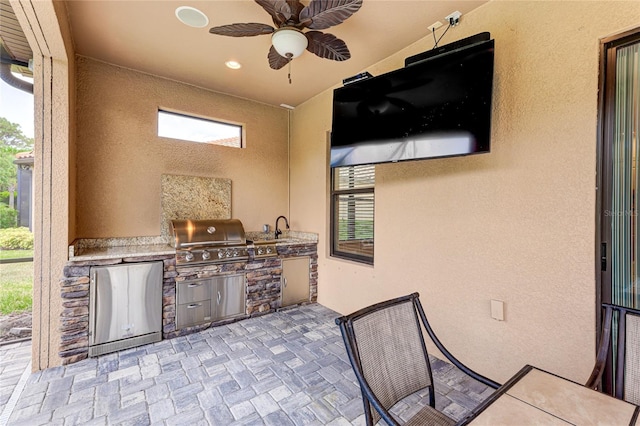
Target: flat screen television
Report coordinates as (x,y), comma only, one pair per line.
(437,107)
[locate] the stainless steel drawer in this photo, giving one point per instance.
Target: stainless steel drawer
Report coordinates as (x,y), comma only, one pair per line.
(193,313)
(193,291)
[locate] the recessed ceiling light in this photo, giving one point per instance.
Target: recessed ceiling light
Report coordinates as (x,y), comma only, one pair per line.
(233,65)
(192,17)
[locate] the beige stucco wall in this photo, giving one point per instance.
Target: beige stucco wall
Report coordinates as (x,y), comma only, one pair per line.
(517,224)
(120,158)
(46,27)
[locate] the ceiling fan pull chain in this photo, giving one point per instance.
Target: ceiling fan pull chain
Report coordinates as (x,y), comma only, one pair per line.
(289,70)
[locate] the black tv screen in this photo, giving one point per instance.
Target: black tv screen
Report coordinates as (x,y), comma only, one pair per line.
(439,107)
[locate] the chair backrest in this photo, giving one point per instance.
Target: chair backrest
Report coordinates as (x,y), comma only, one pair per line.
(388,353)
(620,330)
(632,357)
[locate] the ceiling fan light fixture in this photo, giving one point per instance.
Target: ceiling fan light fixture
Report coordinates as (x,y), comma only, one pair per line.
(192,17)
(289,42)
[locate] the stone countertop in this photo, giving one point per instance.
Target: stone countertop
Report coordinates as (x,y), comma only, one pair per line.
(87,249)
(113,248)
(287,237)
(100,253)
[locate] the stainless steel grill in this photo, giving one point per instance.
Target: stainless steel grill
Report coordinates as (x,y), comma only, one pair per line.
(208,241)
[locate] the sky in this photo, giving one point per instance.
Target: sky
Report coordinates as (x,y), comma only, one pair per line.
(17,107)
(178,126)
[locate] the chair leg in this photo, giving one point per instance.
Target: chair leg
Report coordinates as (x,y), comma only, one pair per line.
(367,410)
(432,396)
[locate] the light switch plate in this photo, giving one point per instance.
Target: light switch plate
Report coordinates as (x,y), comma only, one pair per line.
(497,309)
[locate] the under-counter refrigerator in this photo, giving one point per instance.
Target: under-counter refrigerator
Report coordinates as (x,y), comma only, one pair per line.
(125,306)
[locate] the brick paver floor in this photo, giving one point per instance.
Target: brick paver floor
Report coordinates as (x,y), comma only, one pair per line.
(285,368)
(15,365)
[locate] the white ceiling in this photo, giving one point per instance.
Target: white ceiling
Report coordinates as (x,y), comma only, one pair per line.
(145,35)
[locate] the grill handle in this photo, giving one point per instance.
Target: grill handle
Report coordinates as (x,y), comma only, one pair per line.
(212,243)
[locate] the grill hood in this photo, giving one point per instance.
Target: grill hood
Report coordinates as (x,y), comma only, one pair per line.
(206,233)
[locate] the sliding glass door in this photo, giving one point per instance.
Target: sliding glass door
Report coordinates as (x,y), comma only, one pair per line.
(619,255)
(620,244)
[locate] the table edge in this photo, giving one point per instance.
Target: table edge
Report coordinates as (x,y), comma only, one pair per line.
(497,394)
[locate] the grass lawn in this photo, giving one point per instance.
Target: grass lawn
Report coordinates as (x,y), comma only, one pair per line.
(15,254)
(16,287)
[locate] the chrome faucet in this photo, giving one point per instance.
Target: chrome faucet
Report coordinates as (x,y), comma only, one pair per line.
(286,222)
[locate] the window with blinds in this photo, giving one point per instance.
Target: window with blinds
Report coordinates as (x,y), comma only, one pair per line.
(352,199)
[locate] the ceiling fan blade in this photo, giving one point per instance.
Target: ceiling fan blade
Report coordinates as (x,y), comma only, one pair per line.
(296,7)
(327,13)
(278,9)
(242,30)
(276,61)
(327,46)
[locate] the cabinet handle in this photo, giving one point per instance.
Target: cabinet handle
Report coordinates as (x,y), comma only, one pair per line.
(218,297)
(194,285)
(194,305)
(284,279)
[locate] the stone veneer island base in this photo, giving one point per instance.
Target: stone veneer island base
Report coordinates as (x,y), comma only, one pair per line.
(263,289)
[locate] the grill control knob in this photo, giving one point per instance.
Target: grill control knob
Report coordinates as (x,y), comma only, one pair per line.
(235,253)
(206,255)
(260,251)
(269,250)
(220,254)
(188,257)
(228,253)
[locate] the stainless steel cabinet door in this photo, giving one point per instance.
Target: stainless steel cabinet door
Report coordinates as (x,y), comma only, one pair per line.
(295,280)
(125,301)
(229,296)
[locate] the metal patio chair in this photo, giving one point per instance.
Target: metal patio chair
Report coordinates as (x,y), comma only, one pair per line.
(626,383)
(387,351)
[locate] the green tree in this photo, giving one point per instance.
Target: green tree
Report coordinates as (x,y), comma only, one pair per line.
(11,136)
(8,172)
(12,141)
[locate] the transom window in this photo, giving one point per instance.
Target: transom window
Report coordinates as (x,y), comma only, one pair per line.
(195,129)
(352,199)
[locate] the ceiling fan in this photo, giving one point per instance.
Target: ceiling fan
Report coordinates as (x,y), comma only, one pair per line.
(290,18)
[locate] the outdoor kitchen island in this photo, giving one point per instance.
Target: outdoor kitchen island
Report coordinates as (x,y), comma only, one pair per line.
(263,280)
